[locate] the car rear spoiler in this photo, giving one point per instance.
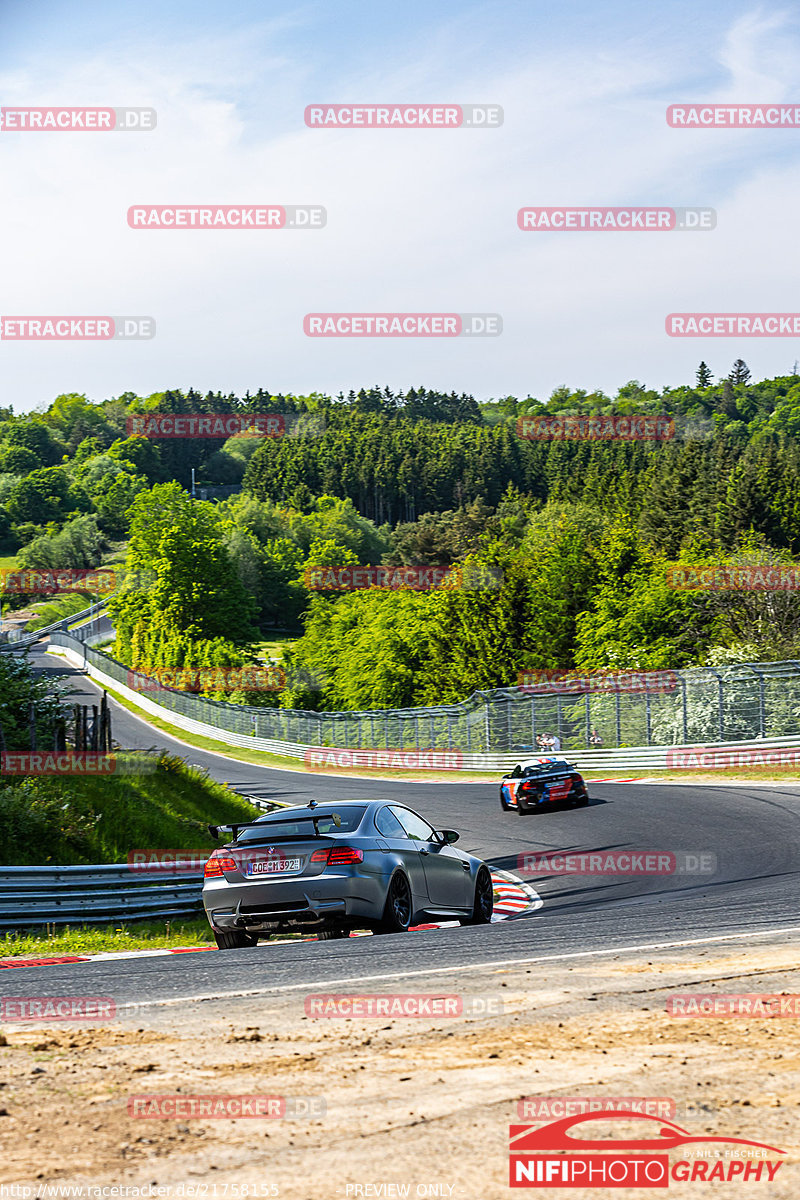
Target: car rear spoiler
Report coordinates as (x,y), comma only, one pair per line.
(215,830)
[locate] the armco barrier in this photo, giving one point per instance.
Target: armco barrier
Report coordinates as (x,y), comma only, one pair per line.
(36,896)
(629,759)
(30,639)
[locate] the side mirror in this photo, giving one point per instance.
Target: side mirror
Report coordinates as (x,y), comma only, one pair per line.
(447,836)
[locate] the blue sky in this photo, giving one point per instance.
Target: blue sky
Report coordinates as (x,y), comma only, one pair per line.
(417,220)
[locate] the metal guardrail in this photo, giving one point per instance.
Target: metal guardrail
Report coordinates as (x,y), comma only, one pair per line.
(170,707)
(36,896)
(31,897)
(703,704)
(30,639)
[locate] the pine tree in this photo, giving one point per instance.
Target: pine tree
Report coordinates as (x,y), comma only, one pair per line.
(704,377)
(740,372)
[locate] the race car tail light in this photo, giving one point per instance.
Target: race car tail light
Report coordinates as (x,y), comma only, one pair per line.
(218,864)
(338,856)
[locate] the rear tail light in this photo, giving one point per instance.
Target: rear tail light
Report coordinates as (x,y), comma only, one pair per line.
(338,856)
(218,864)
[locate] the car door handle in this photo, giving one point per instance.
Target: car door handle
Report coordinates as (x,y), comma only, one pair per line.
(423,850)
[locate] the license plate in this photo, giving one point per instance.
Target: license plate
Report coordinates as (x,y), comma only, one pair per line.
(560,791)
(272,866)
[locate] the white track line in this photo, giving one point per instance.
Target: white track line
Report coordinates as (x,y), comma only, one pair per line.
(473,966)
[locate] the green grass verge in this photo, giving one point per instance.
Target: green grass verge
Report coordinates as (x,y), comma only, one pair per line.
(97,939)
(56,609)
(69,820)
(277,642)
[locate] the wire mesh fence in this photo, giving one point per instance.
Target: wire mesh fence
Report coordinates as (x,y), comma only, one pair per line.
(736,703)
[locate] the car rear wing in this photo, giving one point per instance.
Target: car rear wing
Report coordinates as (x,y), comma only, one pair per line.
(215,830)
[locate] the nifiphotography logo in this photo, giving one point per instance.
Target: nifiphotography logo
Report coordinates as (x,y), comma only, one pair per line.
(570,1153)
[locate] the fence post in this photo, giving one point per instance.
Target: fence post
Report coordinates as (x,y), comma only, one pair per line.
(647,716)
(685,713)
(588,716)
(619,727)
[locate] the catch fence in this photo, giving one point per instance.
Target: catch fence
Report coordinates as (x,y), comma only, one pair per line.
(701,705)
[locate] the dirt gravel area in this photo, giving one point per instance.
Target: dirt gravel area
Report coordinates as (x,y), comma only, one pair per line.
(401,1106)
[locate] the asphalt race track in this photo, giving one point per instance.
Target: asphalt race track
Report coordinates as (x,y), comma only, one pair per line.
(753,831)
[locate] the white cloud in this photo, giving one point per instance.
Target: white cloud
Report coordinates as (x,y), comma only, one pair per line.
(416,220)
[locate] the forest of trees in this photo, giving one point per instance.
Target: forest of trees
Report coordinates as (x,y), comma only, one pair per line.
(581,532)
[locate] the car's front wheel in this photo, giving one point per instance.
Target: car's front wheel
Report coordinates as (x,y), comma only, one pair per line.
(397,910)
(234,939)
(483,903)
(326,935)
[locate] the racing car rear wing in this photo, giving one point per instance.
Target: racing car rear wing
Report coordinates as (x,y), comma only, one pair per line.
(215,830)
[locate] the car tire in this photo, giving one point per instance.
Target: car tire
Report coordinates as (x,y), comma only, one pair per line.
(327,935)
(397,911)
(483,902)
(582,801)
(234,939)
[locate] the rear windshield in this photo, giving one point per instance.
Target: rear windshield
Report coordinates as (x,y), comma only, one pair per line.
(276,828)
(546,768)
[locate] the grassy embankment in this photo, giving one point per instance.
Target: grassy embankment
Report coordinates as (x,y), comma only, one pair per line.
(63,821)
